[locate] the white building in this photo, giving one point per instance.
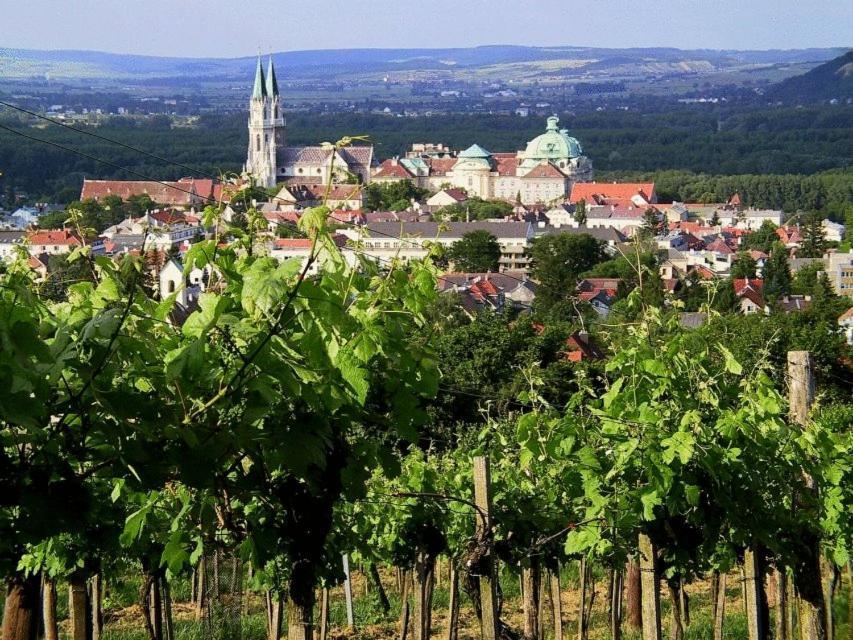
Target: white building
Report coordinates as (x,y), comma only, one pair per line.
(269,161)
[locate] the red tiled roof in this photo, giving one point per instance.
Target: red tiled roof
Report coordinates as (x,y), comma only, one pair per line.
(457,194)
(506,165)
(719,246)
(624,191)
(546,170)
(440,166)
(590,284)
(282,216)
(579,346)
(392,169)
(172,193)
(55,237)
(740,284)
(168,217)
(337,192)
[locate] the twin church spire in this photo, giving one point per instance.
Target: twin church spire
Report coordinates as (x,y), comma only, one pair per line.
(264,86)
(266,127)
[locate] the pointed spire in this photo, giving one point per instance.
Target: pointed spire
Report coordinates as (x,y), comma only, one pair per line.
(259,91)
(272,83)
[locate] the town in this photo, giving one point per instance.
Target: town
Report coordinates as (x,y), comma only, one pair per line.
(487,210)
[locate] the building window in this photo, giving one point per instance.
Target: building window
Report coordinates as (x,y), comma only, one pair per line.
(257,143)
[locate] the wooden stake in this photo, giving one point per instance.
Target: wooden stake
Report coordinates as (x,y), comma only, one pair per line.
(489,623)
(348,592)
(753,596)
(632,595)
(812,607)
(556,599)
(720,607)
(453,615)
(324,613)
(650,589)
(51,629)
(404,608)
(530,600)
(781,579)
(97,606)
(582,599)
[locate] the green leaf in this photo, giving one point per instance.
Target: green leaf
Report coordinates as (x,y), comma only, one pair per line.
(732,365)
(650,500)
(691,493)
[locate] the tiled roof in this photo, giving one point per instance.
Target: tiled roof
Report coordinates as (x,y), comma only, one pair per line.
(361,155)
(589,191)
(506,165)
(440,166)
(580,346)
(545,170)
(457,194)
(719,246)
(171,193)
(55,237)
(392,169)
(847,315)
(740,284)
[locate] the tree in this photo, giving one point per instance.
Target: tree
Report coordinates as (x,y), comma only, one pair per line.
(651,223)
(557,261)
(744,266)
(580,212)
(391,196)
(777,274)
(475,209)
(476,252)
(814,242)
(807,277)
(762,239)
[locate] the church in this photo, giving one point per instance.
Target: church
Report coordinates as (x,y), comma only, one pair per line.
(543,172)
(270,161)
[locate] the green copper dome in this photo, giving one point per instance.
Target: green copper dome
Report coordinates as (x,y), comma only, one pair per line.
(554,144)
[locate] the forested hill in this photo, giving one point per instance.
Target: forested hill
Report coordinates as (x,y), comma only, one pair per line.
(833,79)
(715,141)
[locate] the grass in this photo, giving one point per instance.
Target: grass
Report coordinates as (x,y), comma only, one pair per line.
(123,622)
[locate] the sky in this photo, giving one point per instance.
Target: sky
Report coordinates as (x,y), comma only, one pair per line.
(220,28)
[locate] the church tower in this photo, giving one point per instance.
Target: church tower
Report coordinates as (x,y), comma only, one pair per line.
(266,128)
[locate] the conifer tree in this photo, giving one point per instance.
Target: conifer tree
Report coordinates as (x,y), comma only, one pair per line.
(777,273)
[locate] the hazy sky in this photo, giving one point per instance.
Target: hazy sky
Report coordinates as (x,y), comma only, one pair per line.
(241,27)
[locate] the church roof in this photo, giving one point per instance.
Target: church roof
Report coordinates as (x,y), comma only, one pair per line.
(356,155)
(554,144)
(475,151)
(259,90)
(272,83)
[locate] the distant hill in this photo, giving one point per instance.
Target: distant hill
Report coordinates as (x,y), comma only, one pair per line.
(833,79)
(329,64)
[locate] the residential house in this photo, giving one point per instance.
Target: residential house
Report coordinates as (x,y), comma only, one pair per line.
(600,293)
(580,346)
(516,288)
(9,243)
(59,241)
(447,197)
(750,295)
(845,321)
(832,231)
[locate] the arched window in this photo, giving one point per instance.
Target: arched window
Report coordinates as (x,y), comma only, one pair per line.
(276,111)
(171,287)
(258,142)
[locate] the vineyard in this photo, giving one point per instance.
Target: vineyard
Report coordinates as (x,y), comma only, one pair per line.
(284,461)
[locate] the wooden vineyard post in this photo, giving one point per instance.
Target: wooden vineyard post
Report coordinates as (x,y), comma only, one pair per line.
(324,613)
(557,603)
(649,588)
(423,595)
(530,578)
(78,608)
(753,586)
(488,587)
(51,629)
(453,617)
(720,607)
(582,576)
(404,607)
(348,592)
(97,606)
(781,578)
(807,576)
(632,594)
(615,604)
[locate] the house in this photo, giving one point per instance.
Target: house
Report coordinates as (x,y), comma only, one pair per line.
(832,231)
(845,321)
(749,292)
(517,289)
(580,347)
(447,197)
(59,241)
(39,265)
(600,293)
(638,194)
(9,243)
(300,248)
(411,240)
(788,304)
(341,196)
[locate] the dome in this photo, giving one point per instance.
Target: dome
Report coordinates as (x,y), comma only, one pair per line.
(554,144)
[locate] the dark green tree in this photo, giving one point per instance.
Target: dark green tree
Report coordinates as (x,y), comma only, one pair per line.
(814,242)
(476,252)
(777,274)
(652,225)
(762,239)
(557,262)
(391,196)
(744,266)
